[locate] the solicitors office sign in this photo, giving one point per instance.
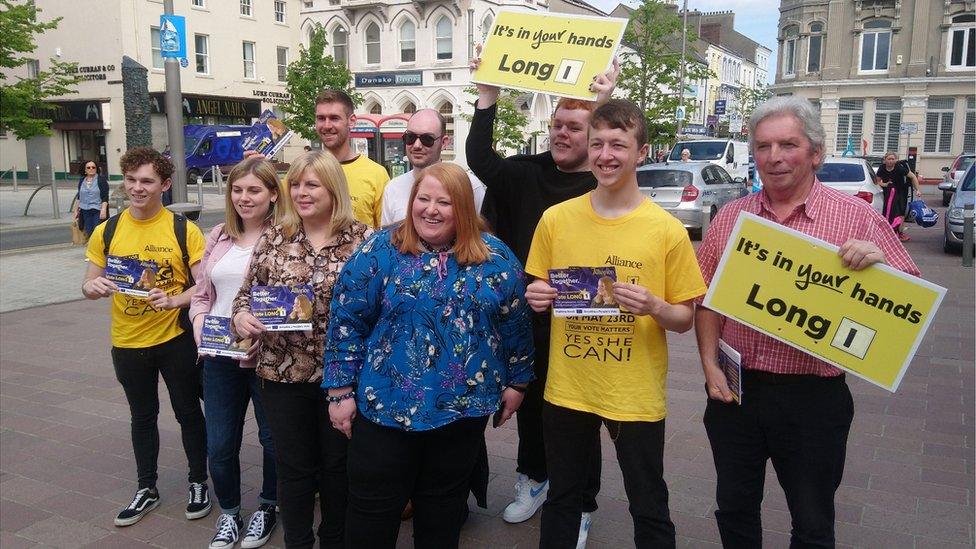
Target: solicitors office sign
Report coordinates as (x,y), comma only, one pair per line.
(793,287)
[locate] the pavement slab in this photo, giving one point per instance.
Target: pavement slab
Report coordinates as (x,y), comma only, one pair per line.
(66,459)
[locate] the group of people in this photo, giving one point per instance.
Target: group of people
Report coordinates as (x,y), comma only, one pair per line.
(425,326)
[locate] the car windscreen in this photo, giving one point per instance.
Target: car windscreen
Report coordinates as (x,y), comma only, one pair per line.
(840,173)
(965,162)
(700,150)
(663,178)
(967,184)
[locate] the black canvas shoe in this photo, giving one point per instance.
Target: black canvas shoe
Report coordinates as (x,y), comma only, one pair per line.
(228,531)
(198,506)
(145,500)
(260,526)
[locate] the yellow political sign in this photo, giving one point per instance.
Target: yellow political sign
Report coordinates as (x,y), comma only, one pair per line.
(549,53)
(794,288)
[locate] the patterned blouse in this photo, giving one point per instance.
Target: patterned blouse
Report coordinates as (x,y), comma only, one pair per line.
(296,357)
(424,340)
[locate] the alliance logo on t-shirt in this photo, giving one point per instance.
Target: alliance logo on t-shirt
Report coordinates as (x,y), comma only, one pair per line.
(618,261)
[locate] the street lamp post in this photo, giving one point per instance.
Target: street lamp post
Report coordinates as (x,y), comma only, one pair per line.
(174,120)
(684,46)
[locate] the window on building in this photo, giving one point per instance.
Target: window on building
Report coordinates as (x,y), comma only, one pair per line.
(486,26)
(246,8)
(815,47)
(375,108)
(340,45)
(248,59)
(447,110)
(962,43)
(282,64)
(408,42)
(199,3)
(969,130)
(875,45)
(442,35)
(279,10)
(938,124)
(409,107)
(33,68)
(157,53)
(372,43)
(201,44)
(790,35)
(887,120)
(850,121)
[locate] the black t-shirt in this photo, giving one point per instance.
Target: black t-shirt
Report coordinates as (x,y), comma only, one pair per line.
(898,176)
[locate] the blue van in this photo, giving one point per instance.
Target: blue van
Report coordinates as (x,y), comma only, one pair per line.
(208,146)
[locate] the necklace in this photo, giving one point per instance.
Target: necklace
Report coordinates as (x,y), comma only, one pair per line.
(89,182)
(436,249)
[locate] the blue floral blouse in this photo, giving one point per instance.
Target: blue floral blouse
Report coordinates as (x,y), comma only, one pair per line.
(424,340)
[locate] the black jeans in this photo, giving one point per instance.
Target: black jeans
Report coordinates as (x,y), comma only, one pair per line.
(388,466)
(531,459)
(801,423)
(310,457)
(138,371)
(640,452)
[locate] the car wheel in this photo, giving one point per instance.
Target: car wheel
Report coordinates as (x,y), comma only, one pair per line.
(946,198)
(947,246)
(191,176)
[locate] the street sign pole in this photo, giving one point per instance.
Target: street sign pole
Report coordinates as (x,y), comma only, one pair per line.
(174,120)
(681,84)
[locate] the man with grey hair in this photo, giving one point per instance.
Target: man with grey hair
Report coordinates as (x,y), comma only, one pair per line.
(796,409)
(425,138)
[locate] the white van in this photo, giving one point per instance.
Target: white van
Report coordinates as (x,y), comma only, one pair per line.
(731,155)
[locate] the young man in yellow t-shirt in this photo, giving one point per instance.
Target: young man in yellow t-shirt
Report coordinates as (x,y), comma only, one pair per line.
(147,339)
(612,369)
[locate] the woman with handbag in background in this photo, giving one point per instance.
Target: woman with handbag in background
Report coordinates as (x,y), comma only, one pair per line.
(92,206)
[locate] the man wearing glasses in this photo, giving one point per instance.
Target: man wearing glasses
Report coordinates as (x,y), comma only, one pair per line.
(425,138)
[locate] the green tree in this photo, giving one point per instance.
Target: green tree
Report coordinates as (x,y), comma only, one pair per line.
(651,66)
(313,72)
(22,106)
(747,99)
(510,121)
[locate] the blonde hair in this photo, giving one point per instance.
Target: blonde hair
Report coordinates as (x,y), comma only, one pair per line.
(469,248)
(265,172)
(329,172)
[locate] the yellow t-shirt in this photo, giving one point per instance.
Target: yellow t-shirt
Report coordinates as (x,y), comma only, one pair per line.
(135,323)
(366,180)
(614,366)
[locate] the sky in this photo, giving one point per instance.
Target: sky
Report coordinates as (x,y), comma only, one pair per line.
(756,19)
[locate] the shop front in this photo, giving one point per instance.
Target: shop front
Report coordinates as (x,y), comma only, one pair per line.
(83,127)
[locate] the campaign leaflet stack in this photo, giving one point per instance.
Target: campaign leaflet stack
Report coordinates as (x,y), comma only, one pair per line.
(133,277)
(218,339)
(268,135)
(283,308)
(730,361)
(584,291)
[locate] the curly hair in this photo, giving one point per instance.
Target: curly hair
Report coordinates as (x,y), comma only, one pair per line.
(140,156)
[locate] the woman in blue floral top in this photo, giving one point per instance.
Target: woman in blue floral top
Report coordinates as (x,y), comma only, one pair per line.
(429,335)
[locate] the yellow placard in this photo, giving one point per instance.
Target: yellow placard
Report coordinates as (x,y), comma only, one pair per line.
(549,53)
(794,288)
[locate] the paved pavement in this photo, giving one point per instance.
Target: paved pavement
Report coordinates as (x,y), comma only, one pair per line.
(66,462)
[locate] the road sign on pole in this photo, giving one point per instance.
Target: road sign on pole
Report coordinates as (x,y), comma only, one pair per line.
(720,106)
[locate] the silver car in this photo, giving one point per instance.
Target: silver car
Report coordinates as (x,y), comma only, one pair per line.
(683,189)
(966,194)
(952,175)
(853,176)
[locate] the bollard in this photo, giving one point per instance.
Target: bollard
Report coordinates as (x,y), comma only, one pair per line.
(54,192)
(967,235)
(200,190)
(15,178)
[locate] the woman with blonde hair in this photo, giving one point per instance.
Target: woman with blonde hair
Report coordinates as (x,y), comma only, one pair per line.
(315,237)
(252,195)
(429,334)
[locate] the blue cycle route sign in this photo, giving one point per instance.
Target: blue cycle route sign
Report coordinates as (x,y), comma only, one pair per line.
(172,36)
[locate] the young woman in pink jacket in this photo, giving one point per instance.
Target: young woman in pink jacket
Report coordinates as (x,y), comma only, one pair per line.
(252,192)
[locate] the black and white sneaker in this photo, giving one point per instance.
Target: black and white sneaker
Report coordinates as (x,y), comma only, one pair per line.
(228,531)
(260,526)
(145,500)
(198,506)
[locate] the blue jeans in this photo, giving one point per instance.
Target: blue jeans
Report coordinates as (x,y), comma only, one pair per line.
(90,219)
(226,390)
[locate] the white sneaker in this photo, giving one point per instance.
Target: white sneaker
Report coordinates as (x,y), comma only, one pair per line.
(529,496)
(585,521)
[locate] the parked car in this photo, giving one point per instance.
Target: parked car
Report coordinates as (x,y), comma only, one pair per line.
(953,234)
(731,155)
(953,172)
(682,188)
(853,176)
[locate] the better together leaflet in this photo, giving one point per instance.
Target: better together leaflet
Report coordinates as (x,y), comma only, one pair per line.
(218,339)
(132,276)
(584,291)
(283,308)
(731,363)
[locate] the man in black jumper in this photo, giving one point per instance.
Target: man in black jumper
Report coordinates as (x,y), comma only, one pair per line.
(519,189)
